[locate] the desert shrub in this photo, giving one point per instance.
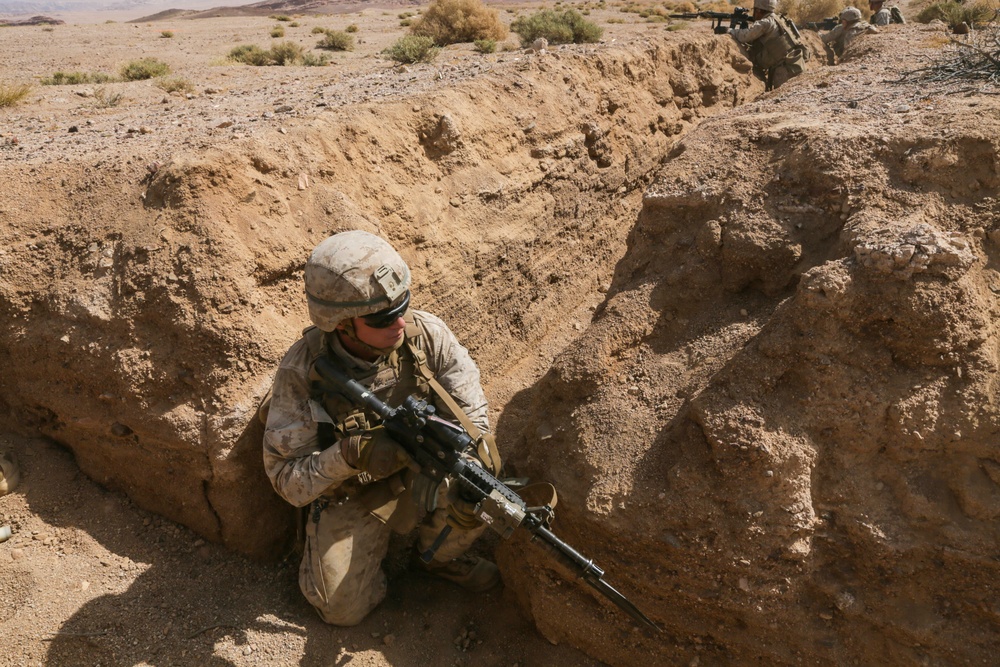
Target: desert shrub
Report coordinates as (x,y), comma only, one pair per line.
(11,94)
(954,13)
(310,59)
(812,11)
(351,28)
(105,100)
(293,24)
(405,15)
(282,53)
(406,23)
(412,49)
(167,34)
(279,17)
(336,40)
(454,21)
(277,31)
(175,85)
(485,45)
(147,68)
(287,53)
(563,27)
(250,54)
(317,30)
(74,78)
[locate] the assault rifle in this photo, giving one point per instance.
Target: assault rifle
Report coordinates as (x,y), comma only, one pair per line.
(828,23)
(436,445)
(740,18)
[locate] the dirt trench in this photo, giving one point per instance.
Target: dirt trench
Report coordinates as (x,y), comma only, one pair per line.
(143,322)
(766,334)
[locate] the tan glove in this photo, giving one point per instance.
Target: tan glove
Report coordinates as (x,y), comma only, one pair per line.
(375,453)
(462,514)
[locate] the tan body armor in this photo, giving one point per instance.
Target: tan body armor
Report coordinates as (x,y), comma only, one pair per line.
(774,49)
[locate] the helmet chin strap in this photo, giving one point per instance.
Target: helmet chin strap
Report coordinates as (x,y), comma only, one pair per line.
(347,328)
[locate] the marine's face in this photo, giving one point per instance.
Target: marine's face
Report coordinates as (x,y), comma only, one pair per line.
(381,337)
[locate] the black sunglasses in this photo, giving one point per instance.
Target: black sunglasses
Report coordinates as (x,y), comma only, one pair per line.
(387,317)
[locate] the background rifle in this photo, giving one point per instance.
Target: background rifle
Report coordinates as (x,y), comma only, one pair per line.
(740,18)
(436,445)
(826,24)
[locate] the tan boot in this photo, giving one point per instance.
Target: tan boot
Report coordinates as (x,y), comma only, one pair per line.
(470,572)
(10,475)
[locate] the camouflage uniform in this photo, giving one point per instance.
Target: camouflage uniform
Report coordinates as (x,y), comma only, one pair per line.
(881,17)
(840,37)
(345,542)
(776,53)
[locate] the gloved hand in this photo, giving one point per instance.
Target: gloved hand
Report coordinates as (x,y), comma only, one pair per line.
(721,30)
(462,514)
(375,453)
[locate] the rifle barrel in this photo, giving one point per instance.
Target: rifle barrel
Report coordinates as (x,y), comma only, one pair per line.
(592,574)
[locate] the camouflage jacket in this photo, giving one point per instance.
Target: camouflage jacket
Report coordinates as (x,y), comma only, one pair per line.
(300,468)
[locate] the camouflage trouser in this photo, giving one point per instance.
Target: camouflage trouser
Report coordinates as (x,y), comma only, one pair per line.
(341,572)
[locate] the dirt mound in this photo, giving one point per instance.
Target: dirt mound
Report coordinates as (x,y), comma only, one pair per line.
(783,415)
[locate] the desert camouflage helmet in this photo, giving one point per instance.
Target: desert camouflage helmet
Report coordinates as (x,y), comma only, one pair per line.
(850,14)
(766,5)
(352,274)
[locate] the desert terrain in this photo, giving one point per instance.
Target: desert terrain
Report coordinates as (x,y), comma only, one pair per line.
(749,336)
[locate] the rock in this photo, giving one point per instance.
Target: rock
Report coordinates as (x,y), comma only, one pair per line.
(10,473)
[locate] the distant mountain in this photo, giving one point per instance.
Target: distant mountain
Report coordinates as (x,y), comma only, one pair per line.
(31,7)
(268,7)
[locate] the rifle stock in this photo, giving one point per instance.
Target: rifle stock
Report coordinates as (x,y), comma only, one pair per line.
(437,445)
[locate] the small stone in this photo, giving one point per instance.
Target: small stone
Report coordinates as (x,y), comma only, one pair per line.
(73,128)
(389,639)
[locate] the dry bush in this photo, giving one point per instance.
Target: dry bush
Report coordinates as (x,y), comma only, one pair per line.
(485,45)
(336,40)
(557,27)
(283,53)
(11,94)
(146,68)
(954,13)
(287,53)
(412,49)
(103,99)
(812,11)
(277,31)
(75,78)
(455,21)
(175,85)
